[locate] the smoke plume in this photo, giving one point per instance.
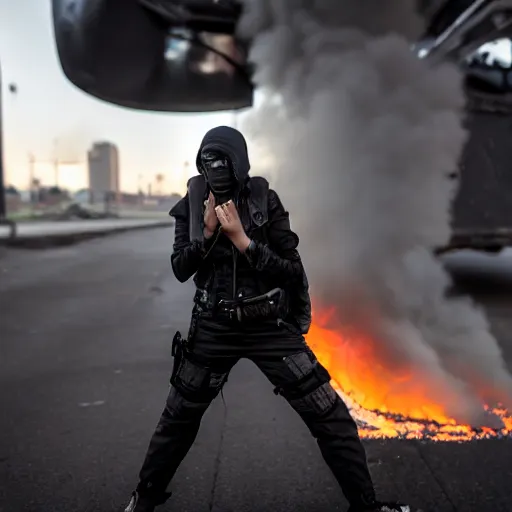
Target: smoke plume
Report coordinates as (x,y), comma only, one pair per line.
(364,135)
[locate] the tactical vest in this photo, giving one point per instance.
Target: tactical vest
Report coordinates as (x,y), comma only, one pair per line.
(299,299)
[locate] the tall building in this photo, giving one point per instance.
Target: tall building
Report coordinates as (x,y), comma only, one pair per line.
(103,160)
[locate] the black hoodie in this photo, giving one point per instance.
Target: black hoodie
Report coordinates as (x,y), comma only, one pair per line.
(271,261)
(233,144)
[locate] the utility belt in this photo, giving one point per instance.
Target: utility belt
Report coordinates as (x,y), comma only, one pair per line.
(268,306)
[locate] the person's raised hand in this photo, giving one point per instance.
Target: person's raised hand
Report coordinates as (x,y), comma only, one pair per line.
(231,224)
(210,217)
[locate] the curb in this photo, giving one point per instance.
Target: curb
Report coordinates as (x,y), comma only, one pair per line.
(59,240)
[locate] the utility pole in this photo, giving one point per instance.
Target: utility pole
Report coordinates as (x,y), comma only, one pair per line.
(31,161)
(55,163)
(3,207)
(3,202)
(56,172)
(31,180)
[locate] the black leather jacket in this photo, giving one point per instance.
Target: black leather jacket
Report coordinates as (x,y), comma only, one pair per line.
(220,269)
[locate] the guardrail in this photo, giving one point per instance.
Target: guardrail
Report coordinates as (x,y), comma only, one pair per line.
(46,234)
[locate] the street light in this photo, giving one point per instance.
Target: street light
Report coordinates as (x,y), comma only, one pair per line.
(13,89)
(3,209)
(3,205)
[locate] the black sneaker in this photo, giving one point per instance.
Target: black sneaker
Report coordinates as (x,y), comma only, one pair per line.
(140,503)
(391,507)
(382,506)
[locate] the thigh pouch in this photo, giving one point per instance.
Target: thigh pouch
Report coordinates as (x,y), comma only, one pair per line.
(309,390)
(192,378)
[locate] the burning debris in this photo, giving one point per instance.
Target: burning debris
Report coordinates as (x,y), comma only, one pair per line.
(405,414)
(376,425)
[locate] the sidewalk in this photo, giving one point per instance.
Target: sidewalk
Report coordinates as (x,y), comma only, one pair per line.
(66,232)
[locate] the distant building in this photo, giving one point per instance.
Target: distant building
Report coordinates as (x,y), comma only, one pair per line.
(103,160)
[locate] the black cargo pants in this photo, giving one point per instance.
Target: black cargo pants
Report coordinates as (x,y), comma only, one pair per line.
(284,357)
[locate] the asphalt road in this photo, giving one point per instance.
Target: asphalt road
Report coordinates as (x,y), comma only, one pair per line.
(85,336)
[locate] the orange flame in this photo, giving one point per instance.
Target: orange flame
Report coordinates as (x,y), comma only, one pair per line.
(385,402)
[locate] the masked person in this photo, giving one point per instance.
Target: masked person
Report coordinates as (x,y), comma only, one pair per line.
(233,235)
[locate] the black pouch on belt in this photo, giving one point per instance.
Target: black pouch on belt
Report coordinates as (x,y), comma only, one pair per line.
(268,306)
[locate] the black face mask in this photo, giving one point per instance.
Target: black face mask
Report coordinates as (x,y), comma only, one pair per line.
(219,175)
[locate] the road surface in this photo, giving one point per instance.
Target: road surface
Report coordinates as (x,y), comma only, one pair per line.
(85,336)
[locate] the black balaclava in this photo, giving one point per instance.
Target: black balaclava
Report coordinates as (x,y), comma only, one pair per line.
(218,171)
(227,145)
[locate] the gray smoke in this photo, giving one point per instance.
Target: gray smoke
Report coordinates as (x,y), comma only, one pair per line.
(363,135)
